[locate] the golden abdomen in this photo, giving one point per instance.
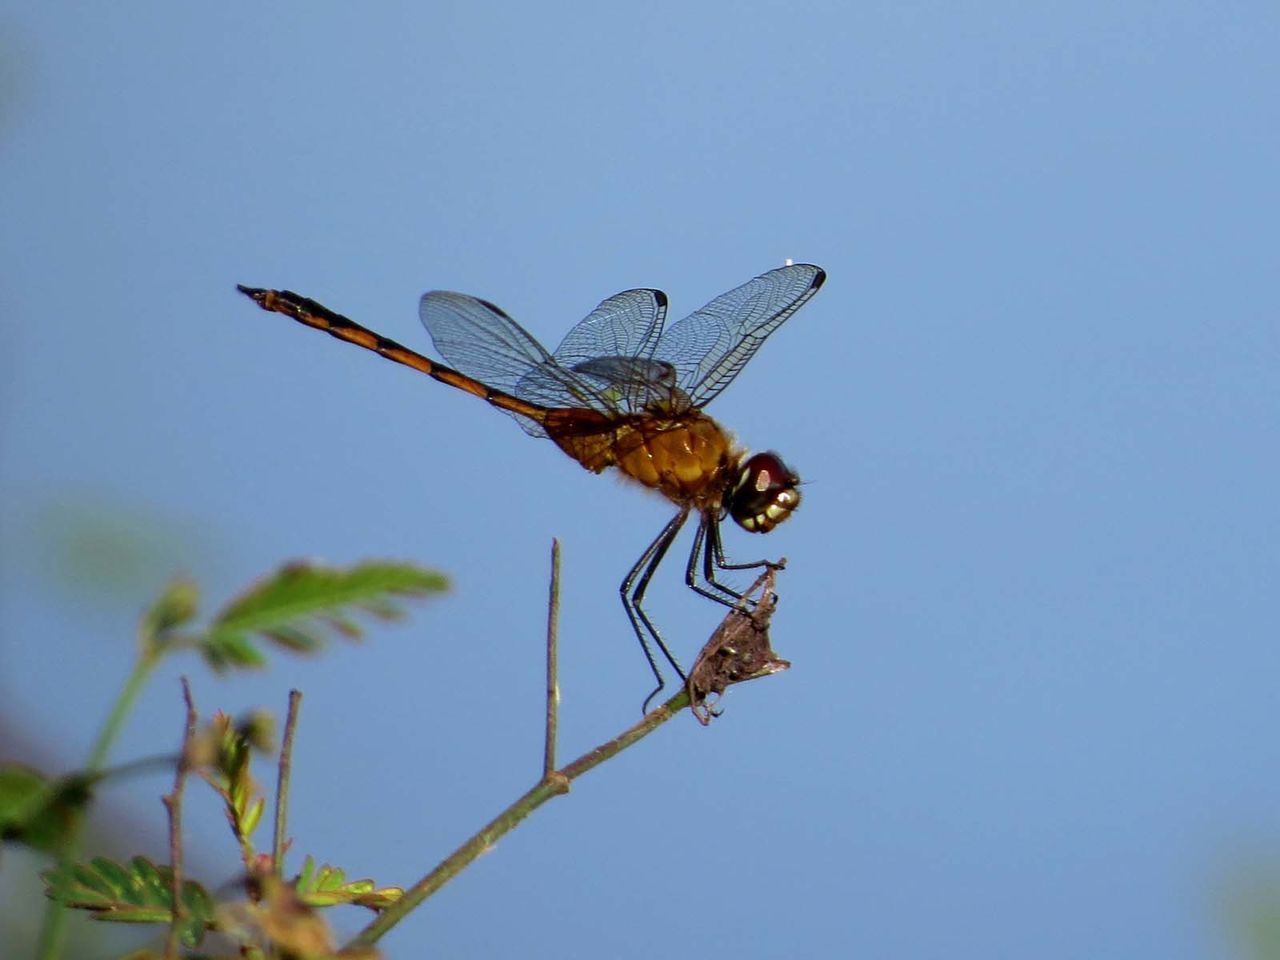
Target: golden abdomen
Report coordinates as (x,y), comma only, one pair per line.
(687,458)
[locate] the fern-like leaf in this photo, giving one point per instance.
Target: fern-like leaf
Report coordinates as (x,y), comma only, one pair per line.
(137,892)
(327,886)
(302,605)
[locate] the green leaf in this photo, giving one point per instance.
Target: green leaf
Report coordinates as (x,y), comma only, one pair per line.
(224,650)
(306,877)
(252,816)
(37,810)
(347,628)
(137,892)
(327,886)
(292,638)
(224,751)
(302,605)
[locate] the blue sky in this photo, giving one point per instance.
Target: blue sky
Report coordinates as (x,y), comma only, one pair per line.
(1032,596)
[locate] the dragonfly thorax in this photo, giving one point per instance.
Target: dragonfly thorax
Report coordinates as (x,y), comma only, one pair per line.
(689,459)
(765,493)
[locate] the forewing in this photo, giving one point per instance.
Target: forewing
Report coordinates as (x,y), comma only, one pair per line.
(608,351)
(709,347)
(628,324)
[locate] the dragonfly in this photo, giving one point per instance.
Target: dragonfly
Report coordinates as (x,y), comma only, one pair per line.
(622,391)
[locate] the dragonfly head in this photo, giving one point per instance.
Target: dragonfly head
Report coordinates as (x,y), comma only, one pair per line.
(765,493)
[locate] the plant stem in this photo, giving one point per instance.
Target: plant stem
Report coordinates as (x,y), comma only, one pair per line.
(173,803)
(120,710)
(549,786)
(53,929)
(282,783)
(553,684)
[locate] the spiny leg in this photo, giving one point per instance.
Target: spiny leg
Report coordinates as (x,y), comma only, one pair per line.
(708,544)
(707,534)
(632,589)
(723,564)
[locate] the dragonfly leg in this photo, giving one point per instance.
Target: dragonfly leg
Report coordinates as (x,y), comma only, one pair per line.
(633,588)
(704,541)
(708,545)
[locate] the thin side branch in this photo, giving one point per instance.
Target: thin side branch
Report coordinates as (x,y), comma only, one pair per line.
(283,771)
(553,683)
(553,785)
(173,803)
(738,650)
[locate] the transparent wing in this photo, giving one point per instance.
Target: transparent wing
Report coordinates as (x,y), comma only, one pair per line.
(477,338)
(628,324)
(709,347)
(635,383)
(481,341)
(609,348)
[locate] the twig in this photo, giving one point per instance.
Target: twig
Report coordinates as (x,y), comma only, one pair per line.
(738,650)
(283,772)
(173,803)
(553,684)
(553,785)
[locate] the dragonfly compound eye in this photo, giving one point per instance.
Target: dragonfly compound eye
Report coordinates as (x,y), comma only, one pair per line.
(765,493)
